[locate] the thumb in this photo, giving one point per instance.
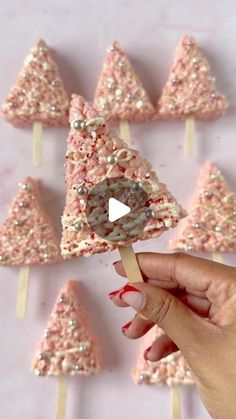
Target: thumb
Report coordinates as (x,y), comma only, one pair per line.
(180,323)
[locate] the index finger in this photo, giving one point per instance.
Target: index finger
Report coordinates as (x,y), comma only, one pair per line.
(186,270)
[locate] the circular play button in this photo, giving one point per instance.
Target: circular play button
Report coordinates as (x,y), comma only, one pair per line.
(117,209)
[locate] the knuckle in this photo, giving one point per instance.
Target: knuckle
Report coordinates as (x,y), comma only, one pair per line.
(178,260)
(160,311)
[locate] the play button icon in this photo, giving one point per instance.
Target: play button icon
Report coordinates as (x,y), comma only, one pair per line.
(116,209)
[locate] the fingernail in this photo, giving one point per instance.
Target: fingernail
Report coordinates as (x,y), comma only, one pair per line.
(112,294)
(115,262)
(125,327)
(146,352)
(133,297)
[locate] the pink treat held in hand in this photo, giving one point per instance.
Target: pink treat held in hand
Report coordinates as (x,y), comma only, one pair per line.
(69,345)
(211,224)
(39,93)
(120,94)
(171,370)
(95,154)
(190,89)
(27,237)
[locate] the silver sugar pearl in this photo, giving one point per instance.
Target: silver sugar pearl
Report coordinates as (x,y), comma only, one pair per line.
(54,83)
(149,213)
(197,225)
(46,256)
(135,186)
(175,80)
(23,186)
(72,322)
(78,367)
(61,299)
(78,124)
(189,247)
(39,373)
(139,104)
(1,258)
(82,348)
(55,109)
(41,356)
(234,212)
(195,60)
(190,42)
(172,106)
(213,95)
(142,376)
(111,159)
(129,96)
(46,333)
(82,190)
(22,204)
(217,229)
(18,223)
(78,225)
(208,194)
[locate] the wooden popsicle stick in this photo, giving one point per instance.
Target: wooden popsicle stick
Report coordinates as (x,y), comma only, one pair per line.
(22,294)
(217,257)
(125,132)
(175,402)
(61,397)
(130,264)
(189,136)
(37,143)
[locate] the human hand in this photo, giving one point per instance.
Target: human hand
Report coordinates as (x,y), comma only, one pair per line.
(194,301)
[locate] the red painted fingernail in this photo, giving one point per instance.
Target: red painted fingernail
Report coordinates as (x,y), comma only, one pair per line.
(126,326)
(128,288)
(133,297)
(146,353)
(113,293)
(115,262)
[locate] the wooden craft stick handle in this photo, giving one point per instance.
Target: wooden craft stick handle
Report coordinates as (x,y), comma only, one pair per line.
(22,294)
(189,136)
(217,257)
(125,132)
(37,143)
(175,402)
(130,264)
(61,397)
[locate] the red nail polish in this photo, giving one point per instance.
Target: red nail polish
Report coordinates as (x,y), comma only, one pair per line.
(146,352)
(114,263)
(126,326)
(113,293)
(127,288)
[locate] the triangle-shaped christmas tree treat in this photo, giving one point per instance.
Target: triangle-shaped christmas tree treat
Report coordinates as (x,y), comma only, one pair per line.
(171,370)
(211,224)
(95,154)
(190,89)
(69,345)
(120,94)
(27,236)
(38,94)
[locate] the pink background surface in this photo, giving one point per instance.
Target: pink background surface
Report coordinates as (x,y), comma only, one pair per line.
(79,33)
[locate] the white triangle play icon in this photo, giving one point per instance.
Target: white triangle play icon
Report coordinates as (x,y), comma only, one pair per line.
(116,209)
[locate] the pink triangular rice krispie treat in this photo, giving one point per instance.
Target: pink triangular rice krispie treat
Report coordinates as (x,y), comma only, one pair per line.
(27,237)
(211,224)
(171,370)
(39,93)
(120,94)
(69,345)
(94,153)
(190,88)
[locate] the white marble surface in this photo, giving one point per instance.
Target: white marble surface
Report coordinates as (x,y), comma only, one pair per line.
(79,31)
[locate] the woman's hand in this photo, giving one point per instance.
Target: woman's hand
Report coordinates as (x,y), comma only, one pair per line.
(194,301)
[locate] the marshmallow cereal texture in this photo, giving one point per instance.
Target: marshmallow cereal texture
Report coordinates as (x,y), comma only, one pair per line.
(39,93)
(211,223)
(27,236)
(69,345)
(120,94)
(171,370)
(190,89)
(94,153)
